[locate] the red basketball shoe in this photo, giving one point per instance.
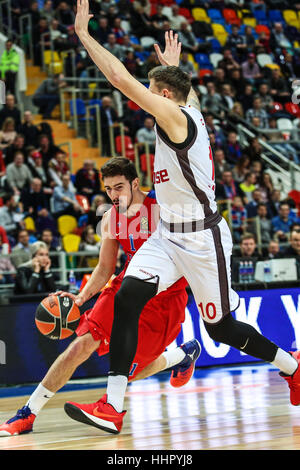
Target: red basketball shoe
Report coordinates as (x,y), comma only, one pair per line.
(182,372)
(294,381)
(20,424)
(101,414)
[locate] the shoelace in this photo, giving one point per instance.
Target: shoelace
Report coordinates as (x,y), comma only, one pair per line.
(23,413)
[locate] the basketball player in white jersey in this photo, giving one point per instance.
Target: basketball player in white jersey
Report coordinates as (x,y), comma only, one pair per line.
(192,239)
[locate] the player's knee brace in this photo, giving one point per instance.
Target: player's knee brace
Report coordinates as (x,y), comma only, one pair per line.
(243,337)
(129,303)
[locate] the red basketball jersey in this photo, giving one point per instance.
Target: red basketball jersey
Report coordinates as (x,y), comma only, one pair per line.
(132,232)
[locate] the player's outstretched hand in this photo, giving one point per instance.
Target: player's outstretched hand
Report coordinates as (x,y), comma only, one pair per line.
(82,17)
(171,54)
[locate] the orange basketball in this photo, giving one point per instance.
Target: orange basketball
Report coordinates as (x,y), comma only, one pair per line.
(57,317)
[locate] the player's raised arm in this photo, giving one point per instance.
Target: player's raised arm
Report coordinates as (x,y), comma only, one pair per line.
(117,74)
(171,56)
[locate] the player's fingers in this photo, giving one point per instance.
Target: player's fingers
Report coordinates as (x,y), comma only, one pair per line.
(167,39)
(58,292)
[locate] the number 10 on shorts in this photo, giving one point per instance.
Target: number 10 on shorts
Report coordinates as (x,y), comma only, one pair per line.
(208,311)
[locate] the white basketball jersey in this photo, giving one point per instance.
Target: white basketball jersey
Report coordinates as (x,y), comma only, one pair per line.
(184,173)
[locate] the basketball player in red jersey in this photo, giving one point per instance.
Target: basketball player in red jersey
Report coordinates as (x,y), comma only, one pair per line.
(192,240)
(128,223)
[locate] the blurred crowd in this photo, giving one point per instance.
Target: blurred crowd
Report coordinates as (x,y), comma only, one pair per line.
(233,84)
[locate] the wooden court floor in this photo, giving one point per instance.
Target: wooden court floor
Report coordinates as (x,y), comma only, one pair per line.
(237,408)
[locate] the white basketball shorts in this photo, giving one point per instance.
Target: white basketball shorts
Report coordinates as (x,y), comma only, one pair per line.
(202,257)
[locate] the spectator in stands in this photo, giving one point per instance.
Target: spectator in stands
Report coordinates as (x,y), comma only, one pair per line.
(151,62)
(10,110)
(40,34)
(147,133)
(47,11)
(273,250)
(267,101)
(99,205)
(219,78)
(263,43)
(211,101)
(274,203)
(105,5)
(261,225)
(278,39)
(51,240)
(265,186)
(290,67)
(228,63)
(247,252)
(248,247)
(103,30)
(227,96)
(158,19)
(187,66)
(252,206)
(18,174)
(89,240)
(241,168)
(35,201)
(278,87)
(293,250)
(46,97)
(249,39)
(131,63)
(247,97)
(7,134)
(87,181)
(233,148)
(282,223)
(35,276)
(108,118)
(5,262)
(248,186)
(21,252)
(35,164)
(10,217)
(258,111)
(18,145)
(9,66)
(60,36)
(29,130)
(254,149)
(34,12)
(220,138)
(238,218)
(140,22)
(187,38)
(220,164)
(47,149)
(64,200)
(2,170)
(236,42)
(250,69)
(117,30)
(113,47)
(5,246)
(57,167)
(237,81)
(64,14)
(227,189)
(175,18)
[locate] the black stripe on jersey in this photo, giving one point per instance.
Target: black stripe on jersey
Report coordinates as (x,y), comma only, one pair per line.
(222,271)
(181,151)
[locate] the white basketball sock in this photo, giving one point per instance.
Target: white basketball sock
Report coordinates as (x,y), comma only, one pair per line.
(116,388)
(173,357)
(39,398)
(285,362)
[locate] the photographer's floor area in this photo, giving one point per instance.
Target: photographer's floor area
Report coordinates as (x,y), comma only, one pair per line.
(226,408)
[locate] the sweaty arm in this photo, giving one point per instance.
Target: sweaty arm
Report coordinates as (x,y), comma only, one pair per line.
(106,265)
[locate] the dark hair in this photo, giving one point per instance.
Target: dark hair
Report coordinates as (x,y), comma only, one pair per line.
(248,236)
(172,78)
(119,166)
